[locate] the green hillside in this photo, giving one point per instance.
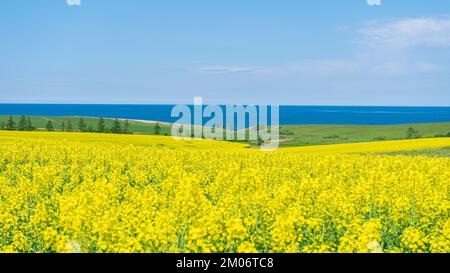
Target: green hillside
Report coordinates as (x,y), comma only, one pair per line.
(136,127)
(291,135)
(303,135)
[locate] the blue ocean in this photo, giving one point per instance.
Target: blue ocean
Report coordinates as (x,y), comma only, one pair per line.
(352,115)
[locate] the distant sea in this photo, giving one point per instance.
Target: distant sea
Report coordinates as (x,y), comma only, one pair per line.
(352,115)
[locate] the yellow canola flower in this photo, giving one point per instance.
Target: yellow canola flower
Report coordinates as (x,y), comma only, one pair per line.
(62,192)
(375,147)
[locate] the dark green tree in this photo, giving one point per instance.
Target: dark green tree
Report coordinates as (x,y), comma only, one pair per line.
(11,125)
(29,126)
(69,126)
(116,127)
(101,127)
(260,141)
(50,126)
(157,129)
(412,133)
(22,124)
(2,127)
(63,127)
(126,127)
(82,125)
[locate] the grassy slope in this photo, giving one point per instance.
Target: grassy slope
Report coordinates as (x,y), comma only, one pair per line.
(135,126)
(377,147)
(291,135)
(305,135)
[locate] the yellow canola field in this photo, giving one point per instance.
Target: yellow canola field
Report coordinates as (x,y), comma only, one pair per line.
(135,140)
(375,147)
(105,193)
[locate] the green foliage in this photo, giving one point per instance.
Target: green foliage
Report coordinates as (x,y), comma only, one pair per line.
(82,125)
(126,127)
(412,133)
(29,125)
(101,127)
(116,127)
(260,141)
(22,124)
(157,129)
(443,135)
(286,132)
(134,127)
(49,126)
(11,125)
(69,126)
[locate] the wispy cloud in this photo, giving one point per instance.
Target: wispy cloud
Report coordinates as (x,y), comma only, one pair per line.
(73,2)
(230,70)
(374,2)
(381,53)
(408,32)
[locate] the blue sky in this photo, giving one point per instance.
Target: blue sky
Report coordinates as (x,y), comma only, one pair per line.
(317,52)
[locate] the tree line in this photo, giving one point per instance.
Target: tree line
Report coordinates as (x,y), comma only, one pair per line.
(24,124)
(117,127)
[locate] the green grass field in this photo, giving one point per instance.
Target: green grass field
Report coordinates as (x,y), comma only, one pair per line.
(291,135)
(305,135)
(444,152)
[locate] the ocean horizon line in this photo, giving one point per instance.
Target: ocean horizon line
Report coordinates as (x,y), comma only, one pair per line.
(224,104)
(289,114)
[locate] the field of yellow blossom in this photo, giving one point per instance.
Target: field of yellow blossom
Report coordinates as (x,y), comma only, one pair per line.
(71,192)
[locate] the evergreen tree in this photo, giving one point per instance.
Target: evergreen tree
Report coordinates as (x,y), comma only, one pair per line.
(29,126)
(10,125)
(260,141)
(69,126)
(411,133)
(22,123)
(101,128)
(157,129)
(63,127)
(50,126)
(82,125)
(126,127)
(116,128)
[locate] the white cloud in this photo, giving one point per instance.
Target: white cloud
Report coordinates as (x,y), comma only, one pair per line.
(408,33)
(409,67)
(230,69)
(390,48)
(374,2)
(73,2)
(382,53)
(358,67)
(324,67)
(337,68)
